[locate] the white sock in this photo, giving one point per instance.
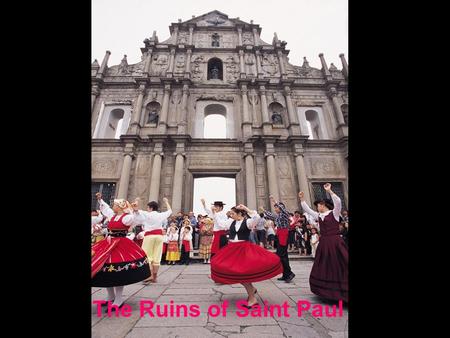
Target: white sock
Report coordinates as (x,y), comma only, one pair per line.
(118,299)
(111,294)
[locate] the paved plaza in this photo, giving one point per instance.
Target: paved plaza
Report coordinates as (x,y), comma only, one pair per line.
(191,285)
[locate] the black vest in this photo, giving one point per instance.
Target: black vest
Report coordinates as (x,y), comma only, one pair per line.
(243,233)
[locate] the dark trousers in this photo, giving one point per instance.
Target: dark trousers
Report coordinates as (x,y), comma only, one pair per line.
(283,254)
(261,236)
(184,256)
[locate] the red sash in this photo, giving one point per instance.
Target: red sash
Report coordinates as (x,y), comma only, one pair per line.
(154,232)
(186,246)
(283,236)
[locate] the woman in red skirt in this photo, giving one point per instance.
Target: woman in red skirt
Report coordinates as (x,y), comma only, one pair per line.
(242,261)
(329,273)
(117,260)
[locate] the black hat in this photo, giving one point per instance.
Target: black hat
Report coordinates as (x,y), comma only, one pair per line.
(218,203)
(328,203)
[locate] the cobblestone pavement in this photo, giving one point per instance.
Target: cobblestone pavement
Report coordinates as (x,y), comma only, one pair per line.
(191,285)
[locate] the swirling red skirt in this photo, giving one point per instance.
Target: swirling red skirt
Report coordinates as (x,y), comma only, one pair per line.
(244,262)
(118,262)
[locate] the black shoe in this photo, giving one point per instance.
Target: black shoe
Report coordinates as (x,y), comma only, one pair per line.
(290,278)
(249,307)
(281,278)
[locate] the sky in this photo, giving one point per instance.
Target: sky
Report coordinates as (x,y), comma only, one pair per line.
(224,189)
(309,27)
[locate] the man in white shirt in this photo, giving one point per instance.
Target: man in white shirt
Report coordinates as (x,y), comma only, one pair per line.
(219,231)
(153,222)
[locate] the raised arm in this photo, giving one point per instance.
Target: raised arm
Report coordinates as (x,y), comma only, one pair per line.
(169,212)
(223,224)
(254,216)
(306,207)
(267,214)
(104,208)
(207,210)
(336,201)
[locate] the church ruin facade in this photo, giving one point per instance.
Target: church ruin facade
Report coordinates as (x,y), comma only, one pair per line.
(284,126)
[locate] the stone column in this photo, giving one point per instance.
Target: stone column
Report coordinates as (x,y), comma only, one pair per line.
(187,72)
(171,63)
(191,31)
(148,62)
(281,63)
(301,175)
(258,64)
(94,93)
(182,120)
(247,123)
(239,36)
(266,120)
(337,106)
(164,109)
(155,179)
(342,127)
(325,69)
(272,176)
(344,65)
(138,107)
(104,63)
(241,62)
(175,35)
(250,181)
(177,192)
(255,37)
(125,176)
(294,125)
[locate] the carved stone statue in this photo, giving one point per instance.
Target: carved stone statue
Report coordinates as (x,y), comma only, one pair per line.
(153,117)
(277,118)
(214,72)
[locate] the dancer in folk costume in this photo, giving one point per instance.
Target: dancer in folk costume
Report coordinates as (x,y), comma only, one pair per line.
(281,220)
(173,254)
(329,273)
(97,230)
(206,238)
(185,242)
(152,222)
(314,241)
(164,248)
(117,260)
(220,237)
(242,261)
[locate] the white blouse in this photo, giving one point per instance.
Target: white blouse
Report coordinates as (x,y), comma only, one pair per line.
(172,237)
(128,219)
(221,215)
(251,223)
(336,210)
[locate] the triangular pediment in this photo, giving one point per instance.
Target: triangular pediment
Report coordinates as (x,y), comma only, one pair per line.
(213,19)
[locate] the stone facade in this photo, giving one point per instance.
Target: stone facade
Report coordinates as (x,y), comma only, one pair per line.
(147,118)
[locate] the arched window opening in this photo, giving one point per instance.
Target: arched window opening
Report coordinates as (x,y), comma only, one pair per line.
(215,69)
(215,122)
(114,125)
(312,121)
